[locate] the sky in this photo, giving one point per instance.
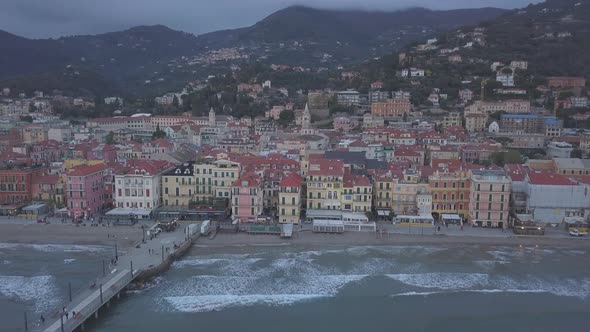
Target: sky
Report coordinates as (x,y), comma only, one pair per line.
(55,18)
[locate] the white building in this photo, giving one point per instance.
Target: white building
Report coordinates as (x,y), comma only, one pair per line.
(113,100)
(139,185)
(267,84)
(559,150)
(348,97)
(553,197)
(505,76)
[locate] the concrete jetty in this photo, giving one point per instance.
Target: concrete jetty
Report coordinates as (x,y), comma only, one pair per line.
(145,260)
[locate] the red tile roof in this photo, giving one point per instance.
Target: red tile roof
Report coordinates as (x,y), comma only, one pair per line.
(83,170)
(549,179)
(326,167)
(251,179)
(291,180)
(516,172)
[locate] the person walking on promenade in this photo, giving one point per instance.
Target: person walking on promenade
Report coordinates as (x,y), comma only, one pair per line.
(42,319)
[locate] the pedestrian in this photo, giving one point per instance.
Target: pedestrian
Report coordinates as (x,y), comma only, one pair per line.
(73,313)
(42,319)
(67,315)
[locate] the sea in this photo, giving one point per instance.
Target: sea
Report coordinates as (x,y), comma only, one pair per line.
(329,288)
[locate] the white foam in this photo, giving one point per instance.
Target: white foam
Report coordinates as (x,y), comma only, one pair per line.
(484,291)
(53,247)
(38,289)
(69,260)
(442,280)
(206,303)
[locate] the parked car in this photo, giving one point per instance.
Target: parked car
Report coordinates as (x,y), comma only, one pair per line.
(577,233)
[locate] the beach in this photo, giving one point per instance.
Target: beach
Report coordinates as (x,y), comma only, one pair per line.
(31,233)
(127,236)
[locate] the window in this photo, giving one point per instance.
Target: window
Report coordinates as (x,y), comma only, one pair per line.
(147,193)
(166,190)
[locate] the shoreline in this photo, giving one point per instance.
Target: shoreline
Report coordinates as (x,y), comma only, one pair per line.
(242,240)
(68,234)
(127,236)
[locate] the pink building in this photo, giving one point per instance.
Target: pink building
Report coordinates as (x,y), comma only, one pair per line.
(85,190)
(489,201)
(247,198)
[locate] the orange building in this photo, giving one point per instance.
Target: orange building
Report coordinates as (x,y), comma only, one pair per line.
(395,107)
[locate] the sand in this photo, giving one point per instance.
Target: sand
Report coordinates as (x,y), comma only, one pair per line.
(126,236)
(356,239)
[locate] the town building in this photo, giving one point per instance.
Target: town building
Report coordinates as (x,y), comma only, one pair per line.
(453,119)
(85,189)
(178,185)
(566,82)
(357,193)
(559,150)
(475,121)
(552,197)
(389,108)
(138,185)
(15,185)
(324,184)
(489,202)
(348,97)
(450,191)
(289,206)
(214,179)
(247,198)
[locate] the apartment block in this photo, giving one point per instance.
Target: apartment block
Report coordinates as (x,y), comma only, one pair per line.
(489,202)
(289,207)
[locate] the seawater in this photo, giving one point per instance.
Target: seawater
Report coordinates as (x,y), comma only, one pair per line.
(34,278)
(405,288)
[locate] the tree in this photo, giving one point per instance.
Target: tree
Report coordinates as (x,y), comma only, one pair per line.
(159,133)
(576,153)
(175,102)
(405,117)
(27,118)
(506,157)
(110,138)
(286,117)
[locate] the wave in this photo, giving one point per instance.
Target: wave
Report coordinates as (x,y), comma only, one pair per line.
(484,291)
(69,260)
(38,289)
(53,247)
(442,280)
(206,303)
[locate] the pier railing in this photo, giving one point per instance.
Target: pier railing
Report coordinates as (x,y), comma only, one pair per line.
(85,303)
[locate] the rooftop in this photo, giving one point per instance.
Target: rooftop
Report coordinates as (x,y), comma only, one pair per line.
(549,179)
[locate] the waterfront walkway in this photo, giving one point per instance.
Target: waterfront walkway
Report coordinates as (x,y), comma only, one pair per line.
(153,253)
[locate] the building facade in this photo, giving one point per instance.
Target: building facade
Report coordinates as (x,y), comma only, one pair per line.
(289,207)
(489,204)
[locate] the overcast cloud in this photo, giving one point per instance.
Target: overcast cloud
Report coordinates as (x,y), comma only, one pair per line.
(54,18)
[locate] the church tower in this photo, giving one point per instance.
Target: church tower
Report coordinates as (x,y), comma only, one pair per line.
(212,117)
(306,128)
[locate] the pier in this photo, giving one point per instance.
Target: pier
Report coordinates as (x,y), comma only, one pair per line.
(147,259)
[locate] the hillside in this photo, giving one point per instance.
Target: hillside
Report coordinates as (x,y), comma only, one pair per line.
(151,59)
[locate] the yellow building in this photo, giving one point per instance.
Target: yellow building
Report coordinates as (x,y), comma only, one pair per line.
(382,191)
(453,119)
(324,184)
(178,185)
(289,207)
(400,192)
(214,179)
(357,195)
(475,121)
